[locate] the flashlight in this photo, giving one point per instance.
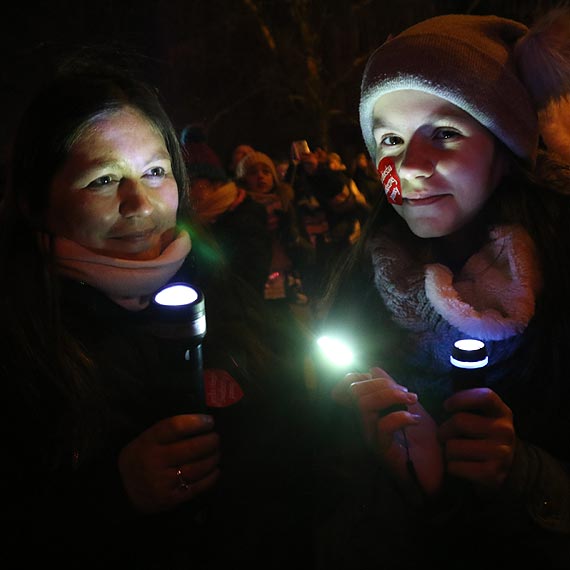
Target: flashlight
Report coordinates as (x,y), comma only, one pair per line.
(469,359)
(180,324)
(339,354)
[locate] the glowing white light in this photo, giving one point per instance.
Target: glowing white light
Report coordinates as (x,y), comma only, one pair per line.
(469,365)
(469,345)
(176,296)
(336,350)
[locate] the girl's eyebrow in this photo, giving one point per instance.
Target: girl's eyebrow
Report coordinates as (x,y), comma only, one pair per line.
(449,116)
(378,122)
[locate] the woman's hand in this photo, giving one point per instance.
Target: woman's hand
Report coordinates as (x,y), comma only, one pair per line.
(171,462)
(393,432)
(479,438)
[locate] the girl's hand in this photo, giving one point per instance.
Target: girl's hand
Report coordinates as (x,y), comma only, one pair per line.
(393,432)
(171,462)
(479,438)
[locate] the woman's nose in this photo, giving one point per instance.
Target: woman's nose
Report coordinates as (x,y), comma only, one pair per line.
(134,200)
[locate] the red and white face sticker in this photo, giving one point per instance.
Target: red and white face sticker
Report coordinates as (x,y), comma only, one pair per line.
(390,180)
(221,388)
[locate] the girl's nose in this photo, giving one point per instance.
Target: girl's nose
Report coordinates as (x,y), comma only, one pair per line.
(417,161)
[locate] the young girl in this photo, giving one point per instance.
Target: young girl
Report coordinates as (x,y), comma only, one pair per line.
(470,241)
(256,172)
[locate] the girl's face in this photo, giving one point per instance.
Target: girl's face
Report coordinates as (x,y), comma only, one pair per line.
(448,163)
(259,177)
(116,193)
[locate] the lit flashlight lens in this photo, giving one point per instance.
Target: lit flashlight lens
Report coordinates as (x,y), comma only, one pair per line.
(176,296)
(469,354)
(337,352)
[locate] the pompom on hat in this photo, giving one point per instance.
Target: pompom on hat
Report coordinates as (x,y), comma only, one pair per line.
(253,158)
(498,70)
(201,160)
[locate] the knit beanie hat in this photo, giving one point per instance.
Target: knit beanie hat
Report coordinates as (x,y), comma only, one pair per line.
(495,69)
(255,158)
(201,160)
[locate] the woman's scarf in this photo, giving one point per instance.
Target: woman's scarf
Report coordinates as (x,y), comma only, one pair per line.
(127,282)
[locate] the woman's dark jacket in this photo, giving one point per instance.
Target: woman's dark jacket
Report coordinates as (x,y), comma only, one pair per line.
(64,504)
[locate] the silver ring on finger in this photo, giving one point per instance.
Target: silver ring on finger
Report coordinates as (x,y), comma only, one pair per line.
(183,484)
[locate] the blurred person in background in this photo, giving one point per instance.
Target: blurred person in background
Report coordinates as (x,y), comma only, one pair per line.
(366,177)
(236,221)
(238,152)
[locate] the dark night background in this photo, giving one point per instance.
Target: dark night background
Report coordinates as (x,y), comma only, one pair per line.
(262,72)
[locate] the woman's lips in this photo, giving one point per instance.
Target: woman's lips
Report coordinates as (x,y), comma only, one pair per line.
(136,236)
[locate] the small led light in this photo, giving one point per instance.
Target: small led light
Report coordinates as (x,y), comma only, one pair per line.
(337,351)
(469,353)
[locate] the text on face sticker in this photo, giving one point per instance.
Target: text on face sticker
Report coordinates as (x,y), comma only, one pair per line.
(390,180)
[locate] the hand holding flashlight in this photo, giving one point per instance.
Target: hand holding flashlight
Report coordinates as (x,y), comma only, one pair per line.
(149,464)
(479,436)
(389,415)
(399,435)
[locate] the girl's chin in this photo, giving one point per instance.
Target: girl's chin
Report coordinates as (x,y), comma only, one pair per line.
(428,231)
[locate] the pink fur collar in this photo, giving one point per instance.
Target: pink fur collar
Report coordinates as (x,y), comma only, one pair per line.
(493,297)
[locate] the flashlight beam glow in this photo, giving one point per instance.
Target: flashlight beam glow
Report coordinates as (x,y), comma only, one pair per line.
(337,352)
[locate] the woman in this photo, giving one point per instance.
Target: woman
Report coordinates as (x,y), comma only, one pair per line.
(470,240)
(108,460)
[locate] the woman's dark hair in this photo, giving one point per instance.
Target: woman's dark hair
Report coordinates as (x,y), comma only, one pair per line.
(57,115)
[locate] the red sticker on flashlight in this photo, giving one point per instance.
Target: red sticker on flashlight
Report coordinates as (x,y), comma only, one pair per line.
(390,180)
(221,388)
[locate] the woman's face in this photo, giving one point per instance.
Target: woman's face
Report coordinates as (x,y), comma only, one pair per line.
(116,193)
(259,177)
(448,163)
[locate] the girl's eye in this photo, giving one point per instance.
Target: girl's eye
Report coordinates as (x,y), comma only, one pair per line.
(446,134)
(391,140)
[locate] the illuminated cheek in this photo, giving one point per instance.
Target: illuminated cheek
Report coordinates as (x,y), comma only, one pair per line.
(167,203)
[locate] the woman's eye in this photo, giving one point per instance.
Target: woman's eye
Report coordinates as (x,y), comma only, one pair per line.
(101,182)
(156,172)
(391,140)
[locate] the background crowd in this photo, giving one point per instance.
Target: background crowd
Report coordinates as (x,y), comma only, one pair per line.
(282,222)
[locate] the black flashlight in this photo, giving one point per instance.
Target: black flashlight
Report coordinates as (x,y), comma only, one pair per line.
(469,360)
(180,325)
